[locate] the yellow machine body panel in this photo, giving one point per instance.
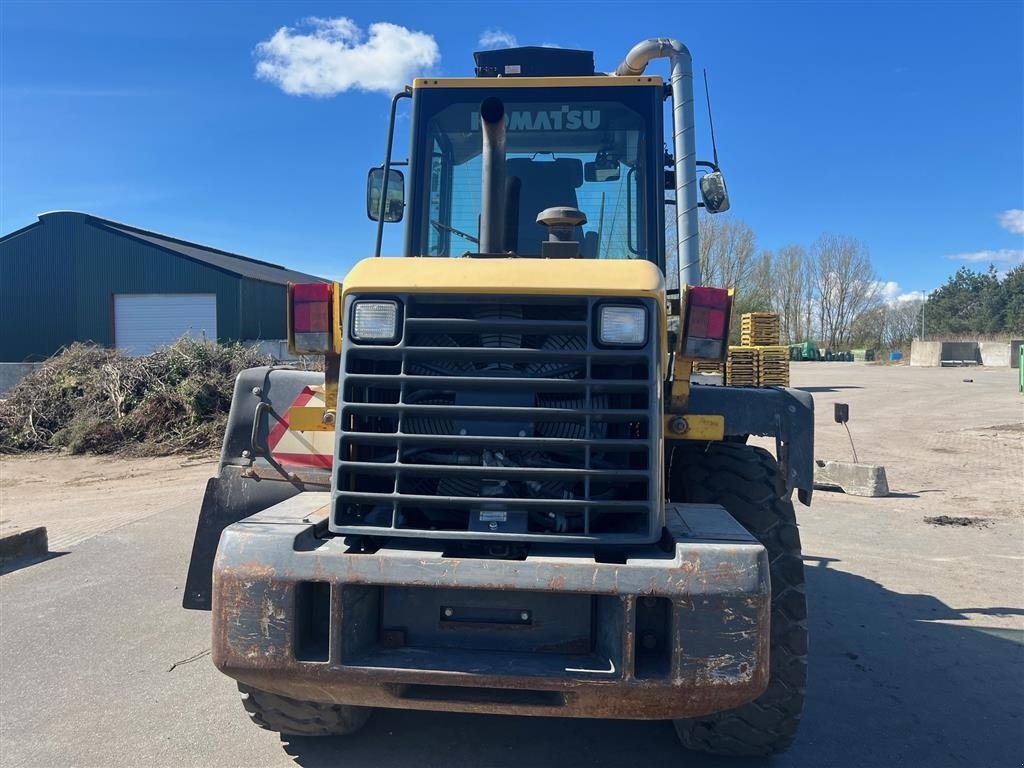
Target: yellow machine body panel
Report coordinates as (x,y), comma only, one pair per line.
(558,277)
(514,276)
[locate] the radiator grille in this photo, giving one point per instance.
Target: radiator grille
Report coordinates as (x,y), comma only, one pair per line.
(499,418)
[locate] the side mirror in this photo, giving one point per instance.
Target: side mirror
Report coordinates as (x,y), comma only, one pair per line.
(714,193)
(602,169)
(394,204)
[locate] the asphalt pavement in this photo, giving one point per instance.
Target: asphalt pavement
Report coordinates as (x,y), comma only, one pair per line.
(101,667)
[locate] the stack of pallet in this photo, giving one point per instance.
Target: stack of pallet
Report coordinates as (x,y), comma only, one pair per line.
(759,329)
(773,366)
(741,367)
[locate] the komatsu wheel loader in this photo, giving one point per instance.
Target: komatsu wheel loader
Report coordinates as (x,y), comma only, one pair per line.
(503,494)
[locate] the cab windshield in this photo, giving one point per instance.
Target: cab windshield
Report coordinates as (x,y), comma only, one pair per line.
(586,148)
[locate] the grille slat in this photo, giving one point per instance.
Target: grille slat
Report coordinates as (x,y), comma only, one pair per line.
(379,438)
(475,501)
(547,414)
(497,355)
(598,385)
(470,470)
(499,417)
(464,325)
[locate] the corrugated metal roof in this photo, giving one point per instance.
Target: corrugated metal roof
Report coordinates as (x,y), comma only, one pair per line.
(243,266)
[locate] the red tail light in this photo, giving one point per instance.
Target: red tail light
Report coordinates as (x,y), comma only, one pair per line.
(706,333)
(310,318)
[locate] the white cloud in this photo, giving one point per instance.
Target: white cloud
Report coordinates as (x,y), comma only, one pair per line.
(889,290)
(1012,221)
(998,256)
(497,38)
(325,57)
(912,296)
(892,293)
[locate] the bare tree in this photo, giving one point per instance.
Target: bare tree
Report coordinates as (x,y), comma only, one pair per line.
(789,291)
(845,286)
(868,329)
(728,252)
(902,323)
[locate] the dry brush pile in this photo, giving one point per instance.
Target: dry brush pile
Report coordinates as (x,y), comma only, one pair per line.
(90,399)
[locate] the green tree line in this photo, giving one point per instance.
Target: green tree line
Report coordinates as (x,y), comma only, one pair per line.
(978,303)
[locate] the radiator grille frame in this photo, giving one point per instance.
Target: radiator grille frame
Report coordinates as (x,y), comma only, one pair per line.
(378,427)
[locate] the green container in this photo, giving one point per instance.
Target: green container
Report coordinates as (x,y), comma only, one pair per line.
(810,351)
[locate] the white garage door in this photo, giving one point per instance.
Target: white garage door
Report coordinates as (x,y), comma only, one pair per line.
(144,322)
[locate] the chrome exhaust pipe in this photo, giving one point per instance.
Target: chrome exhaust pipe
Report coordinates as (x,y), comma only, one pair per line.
(684,143)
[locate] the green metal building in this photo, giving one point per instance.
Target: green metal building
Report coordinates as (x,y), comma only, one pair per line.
(75,277)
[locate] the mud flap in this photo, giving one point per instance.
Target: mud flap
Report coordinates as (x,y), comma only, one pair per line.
(228,499)
(782,413)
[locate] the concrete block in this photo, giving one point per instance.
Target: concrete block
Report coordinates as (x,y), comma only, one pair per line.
(1015,346)
(30,542)
(707,379)
(995,353)
(12,373)
(851,478)
(926,353)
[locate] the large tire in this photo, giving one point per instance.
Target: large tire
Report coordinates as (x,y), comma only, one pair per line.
(745,480)
(292,717)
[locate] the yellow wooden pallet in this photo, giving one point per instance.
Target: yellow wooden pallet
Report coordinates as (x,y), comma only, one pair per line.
(707,366)
(759,329)
(773,366)
(741,367)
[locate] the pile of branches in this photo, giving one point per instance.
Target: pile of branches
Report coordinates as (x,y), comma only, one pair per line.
(89,399)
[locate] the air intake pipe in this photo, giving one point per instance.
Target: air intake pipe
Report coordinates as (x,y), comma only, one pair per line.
(683,142)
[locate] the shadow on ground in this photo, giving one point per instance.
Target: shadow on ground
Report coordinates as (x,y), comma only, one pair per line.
(13,564)
(889,685)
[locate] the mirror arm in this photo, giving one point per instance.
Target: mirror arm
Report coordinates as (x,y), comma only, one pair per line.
(405,94)
(709,164)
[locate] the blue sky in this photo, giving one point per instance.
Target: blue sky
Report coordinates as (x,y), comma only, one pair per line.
(899,124)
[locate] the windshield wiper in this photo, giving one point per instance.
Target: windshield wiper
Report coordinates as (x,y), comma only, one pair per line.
(453,230)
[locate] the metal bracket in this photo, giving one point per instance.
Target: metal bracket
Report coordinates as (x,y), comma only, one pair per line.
(694,426)
(304,418)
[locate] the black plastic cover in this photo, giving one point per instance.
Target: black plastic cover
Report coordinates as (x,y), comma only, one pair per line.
(534,61)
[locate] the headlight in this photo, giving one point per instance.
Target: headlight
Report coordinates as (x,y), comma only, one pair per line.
(375,321)
(625,326)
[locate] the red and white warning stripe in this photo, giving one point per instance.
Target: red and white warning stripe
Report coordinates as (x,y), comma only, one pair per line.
(302,449)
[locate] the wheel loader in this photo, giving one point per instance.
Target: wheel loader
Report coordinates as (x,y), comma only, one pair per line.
(503,494)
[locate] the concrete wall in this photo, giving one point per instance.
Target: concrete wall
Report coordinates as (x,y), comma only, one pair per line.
(995,353)
(12,373)
(926,353)
(998,354)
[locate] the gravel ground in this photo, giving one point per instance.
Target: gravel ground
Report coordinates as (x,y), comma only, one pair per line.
(916,629)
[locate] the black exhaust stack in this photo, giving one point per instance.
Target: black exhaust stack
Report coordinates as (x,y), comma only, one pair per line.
(492,176)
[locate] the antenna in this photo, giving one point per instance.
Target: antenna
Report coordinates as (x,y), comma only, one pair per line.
(711,122)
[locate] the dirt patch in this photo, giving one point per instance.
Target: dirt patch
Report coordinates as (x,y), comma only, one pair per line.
(78,497)
(963,522)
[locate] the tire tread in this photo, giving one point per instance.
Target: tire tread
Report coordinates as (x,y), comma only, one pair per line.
(292,717)
(745,480)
